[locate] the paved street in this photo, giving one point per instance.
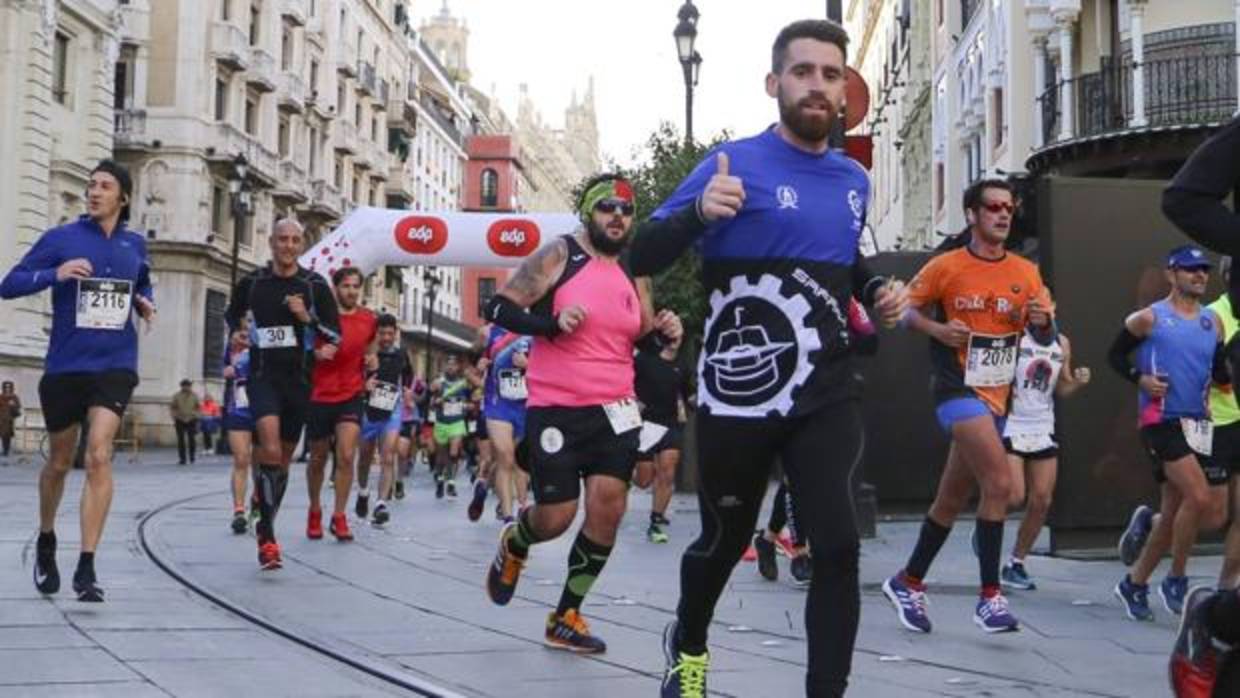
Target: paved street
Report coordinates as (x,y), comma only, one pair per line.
(406,603)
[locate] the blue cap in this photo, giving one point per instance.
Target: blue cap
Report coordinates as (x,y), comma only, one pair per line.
(1188,257)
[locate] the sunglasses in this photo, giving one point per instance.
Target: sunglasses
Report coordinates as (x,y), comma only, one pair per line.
(997,206)
(614,206)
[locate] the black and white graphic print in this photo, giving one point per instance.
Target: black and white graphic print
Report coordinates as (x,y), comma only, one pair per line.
(756,351)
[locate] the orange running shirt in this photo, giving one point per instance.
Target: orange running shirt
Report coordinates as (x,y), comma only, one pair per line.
(990,296)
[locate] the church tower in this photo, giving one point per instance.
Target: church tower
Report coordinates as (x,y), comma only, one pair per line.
(448,37)
(581,130)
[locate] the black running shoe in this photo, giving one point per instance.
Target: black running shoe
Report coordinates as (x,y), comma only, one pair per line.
(381,515)
(766,558)
(46,575)
(451,489)
(400,489)
(239,522)
(362,506)
(802,570)
(438,489)
(86,586)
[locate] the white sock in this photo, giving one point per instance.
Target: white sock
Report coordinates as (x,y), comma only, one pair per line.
(380,503)
(363,492)
(1017,561)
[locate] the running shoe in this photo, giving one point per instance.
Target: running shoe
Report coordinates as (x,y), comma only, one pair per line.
(993,615)
(269,555)
(1194,663)
(438,488)
(784,545)
(400,489)
(767,566)
(570,632)
(362,506)
(451,489)
(505,571)
(240,524)
(802,568)
(1014,576)
(660,519)
(314,524)
(656,534)
(1132,540)
(1172,592)
(476,504)
(46,574)
(910,603)
(339,527)
(381,516)
(684,674)
(1136,599)
(86,586)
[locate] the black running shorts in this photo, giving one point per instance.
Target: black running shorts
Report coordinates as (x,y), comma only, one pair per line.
(673,440)
(286,396)
(1226,447)
(571,443)
(67,397)
(1165,443)
(1043,454)
(324,416)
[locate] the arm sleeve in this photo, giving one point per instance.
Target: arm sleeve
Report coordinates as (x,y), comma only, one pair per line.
(36,271)
(1194,199)
(865,282)
(674,226)
(325,317)
(143,286)
(1117,356)
(1219,370)
(507,314)
(239,303)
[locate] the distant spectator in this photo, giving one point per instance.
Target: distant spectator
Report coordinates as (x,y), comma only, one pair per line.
(185,413)
(210,422)
(10,410)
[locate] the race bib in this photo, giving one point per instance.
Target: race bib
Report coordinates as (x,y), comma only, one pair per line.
(241,399)
(1199,433)
(1031,443)
(453,409)
(384,396)
(104,304)
(651,434)
(991,360)
(512,384)
(278,337)
(623,415)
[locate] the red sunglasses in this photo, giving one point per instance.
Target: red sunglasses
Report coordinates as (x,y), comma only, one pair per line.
(997,206)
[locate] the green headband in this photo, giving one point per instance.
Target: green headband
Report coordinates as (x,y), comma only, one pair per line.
(606,189)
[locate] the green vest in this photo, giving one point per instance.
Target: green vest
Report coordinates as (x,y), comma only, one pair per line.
(1223,409)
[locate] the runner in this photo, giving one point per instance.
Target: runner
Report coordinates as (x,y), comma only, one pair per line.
(581,414)
(507,355)
(988,299)
(337,400)
(449,399)
(1205,660)
(1179,348)
(409,448)
(239,424)
(1044,372)
(99,274)
(1225,414)
(779,218)
(783,516)
(388,389)
(662,389)
(291,307)
(477,440)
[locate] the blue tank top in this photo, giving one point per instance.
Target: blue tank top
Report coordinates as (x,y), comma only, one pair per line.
(1180,351)
(502,346)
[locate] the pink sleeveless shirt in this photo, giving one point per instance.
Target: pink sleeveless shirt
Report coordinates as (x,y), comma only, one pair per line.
(594,364)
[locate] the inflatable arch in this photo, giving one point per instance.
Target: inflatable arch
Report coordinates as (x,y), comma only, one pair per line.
(370,238)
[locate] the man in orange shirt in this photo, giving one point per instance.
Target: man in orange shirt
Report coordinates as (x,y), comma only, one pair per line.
(986,298)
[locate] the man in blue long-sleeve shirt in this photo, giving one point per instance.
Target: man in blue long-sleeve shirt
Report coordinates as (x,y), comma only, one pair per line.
(99,275)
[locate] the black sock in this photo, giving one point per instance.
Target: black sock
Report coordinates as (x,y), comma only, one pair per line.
(47,541)
(989,550)
(272,480)
(524,536)
(929,541)
(585,562)
(86,564)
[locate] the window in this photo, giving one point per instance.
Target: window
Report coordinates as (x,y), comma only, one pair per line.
(357,113)
(251,114)
(219,211)
(312,142)
(341,96)
(242,228)
(357,186)
(938,12)
(490,188)
(282,136)
(256,28)
(1000,127)
(486,289)
(286,48)
(225,10)
(939,194)
(60,69)
(314,78)
(374,129)
(338,177)
(221,99)
(215,333)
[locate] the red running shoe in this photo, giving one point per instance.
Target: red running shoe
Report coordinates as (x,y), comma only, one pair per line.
(269,555)
(314,525)
(339,528)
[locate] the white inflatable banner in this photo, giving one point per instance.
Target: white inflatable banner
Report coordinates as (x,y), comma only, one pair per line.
(370,238)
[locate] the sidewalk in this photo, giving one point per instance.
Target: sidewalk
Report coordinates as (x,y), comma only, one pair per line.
(409,601)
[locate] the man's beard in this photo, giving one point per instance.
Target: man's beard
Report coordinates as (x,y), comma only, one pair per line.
(602,242)
(807,128)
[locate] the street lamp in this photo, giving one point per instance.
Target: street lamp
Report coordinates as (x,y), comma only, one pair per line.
(430,279)
(239,188)
(690,60)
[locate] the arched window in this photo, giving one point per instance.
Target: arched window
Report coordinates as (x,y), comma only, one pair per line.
(490,188)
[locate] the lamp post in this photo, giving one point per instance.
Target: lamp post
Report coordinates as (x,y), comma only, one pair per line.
(690,60)
(430,279)
(239,187)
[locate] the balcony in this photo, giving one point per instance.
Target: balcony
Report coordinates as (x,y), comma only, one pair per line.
(294,11)
(230,46)
(401,189)
(364,156)
(402,116)
(135,24)
(262,73)
(129,128)
(292,185)
(381,95)
(366,80)
(439,117)
(324,201)
(315,30)
(230,140)
(345,140)
(346,60)
(379,159)
(292,93)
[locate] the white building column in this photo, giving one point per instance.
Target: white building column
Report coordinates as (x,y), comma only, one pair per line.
(1039,89)
(1136,10)
(1065,23)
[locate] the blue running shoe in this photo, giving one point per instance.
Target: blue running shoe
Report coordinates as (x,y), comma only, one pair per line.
(910,604)
(1014,576)
(1136,599)
(684,674)
(993,615)
(1133,538)
(1172,591)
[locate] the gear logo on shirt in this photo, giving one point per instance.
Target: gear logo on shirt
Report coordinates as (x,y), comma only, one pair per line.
(757,349)
(857,205)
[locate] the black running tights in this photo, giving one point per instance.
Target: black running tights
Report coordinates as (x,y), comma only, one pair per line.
(819,453)
(784,515)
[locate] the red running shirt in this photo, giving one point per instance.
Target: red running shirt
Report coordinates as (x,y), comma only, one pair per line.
(344,377)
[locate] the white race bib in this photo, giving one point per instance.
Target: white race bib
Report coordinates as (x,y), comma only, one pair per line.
(991,360)
(623,415)
(104,304)
(384,396)
(241,399)
(1199,433)
(651,433)
(277,337)
(453,409)
(1031,443)
(512,384)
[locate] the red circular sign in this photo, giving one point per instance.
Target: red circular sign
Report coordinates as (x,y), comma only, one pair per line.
(421,234)
(513,237)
